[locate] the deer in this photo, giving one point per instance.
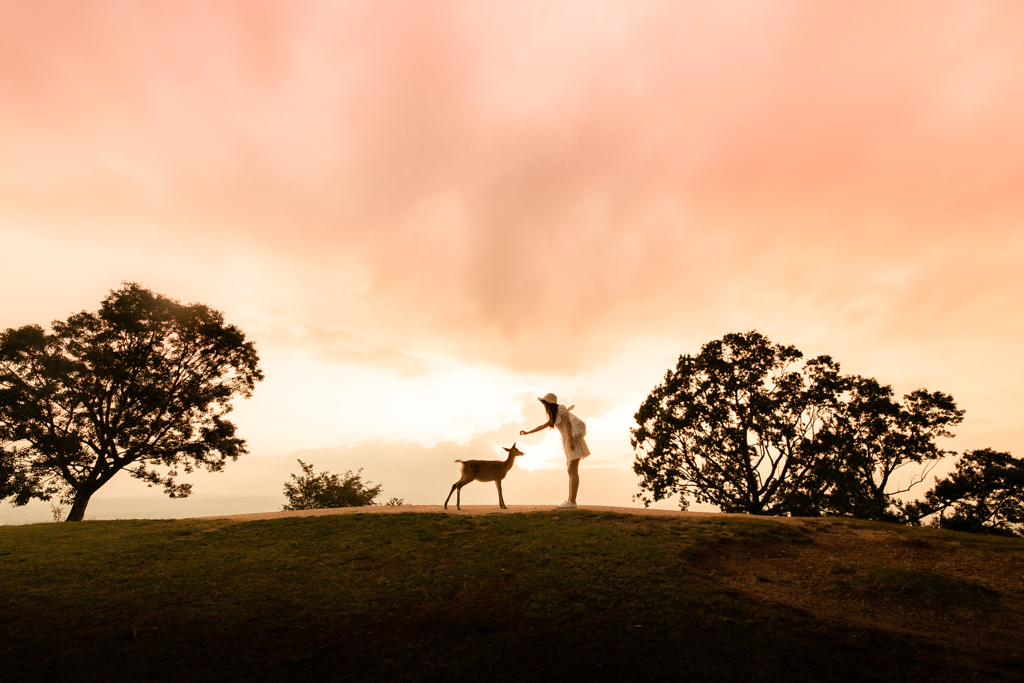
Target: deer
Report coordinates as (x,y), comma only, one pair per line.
(483,470)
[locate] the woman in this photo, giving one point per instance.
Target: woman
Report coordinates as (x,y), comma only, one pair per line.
(572,430)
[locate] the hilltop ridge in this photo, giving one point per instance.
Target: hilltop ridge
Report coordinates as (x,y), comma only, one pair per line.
(522,594)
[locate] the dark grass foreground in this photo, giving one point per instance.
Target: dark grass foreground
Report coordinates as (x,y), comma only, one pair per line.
(544,596)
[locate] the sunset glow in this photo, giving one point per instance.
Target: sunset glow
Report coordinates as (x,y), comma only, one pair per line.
(427,214)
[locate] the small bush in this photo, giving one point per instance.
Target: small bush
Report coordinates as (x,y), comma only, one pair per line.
(325,490)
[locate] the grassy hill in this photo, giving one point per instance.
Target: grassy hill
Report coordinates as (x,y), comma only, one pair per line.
(561,596)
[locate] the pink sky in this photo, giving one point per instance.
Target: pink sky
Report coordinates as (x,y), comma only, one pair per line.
(426,214)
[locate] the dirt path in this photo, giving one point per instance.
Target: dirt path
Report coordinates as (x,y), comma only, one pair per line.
(472,510)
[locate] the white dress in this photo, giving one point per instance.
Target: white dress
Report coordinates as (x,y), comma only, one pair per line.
(570,426)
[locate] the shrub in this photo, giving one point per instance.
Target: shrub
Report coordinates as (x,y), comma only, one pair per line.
(311,491)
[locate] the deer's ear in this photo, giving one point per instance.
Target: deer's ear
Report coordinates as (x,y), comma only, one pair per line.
(513,445)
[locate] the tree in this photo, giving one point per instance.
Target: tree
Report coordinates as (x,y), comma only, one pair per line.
(142,384)
(870,439)
(739,427)
(985,492)
(311,491)
(735,426)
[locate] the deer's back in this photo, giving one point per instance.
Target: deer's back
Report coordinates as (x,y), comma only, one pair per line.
(483,470)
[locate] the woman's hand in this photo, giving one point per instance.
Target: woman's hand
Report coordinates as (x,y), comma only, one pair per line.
(522,432)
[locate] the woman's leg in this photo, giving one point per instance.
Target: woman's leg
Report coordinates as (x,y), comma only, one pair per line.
(574,479)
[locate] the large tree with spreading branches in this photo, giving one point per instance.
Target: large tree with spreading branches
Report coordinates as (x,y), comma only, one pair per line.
(735,426)
(747,426)
(143,385)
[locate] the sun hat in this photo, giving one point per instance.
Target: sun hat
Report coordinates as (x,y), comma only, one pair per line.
(549,398)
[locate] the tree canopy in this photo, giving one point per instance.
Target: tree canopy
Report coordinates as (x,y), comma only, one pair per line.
(748,426)
(734,426)
(985,493)
(142,385)
(875,447)
(312,491)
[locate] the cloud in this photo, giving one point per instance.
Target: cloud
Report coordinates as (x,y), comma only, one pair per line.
(534,185)
(340,346)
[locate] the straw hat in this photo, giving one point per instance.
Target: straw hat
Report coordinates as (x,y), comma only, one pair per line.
(549,398)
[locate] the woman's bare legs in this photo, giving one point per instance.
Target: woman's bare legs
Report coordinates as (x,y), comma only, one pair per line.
(574,479)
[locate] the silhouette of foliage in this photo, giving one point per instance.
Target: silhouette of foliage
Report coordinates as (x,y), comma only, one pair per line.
(15,480)
(985,493)
(743,427)
(310,491)
(869,439)
(735,426)
(144,383)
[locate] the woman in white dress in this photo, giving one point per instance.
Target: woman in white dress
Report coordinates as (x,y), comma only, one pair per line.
(572,430)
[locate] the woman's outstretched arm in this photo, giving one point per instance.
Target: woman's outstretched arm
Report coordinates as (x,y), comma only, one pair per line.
(535,429)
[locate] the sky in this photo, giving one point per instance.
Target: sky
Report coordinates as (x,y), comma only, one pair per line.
(426,214)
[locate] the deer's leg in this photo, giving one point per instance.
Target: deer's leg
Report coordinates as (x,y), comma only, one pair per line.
(450,493)
(458,495)
(501,500)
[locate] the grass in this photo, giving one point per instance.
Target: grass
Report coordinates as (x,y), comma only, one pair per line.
(929,588)
(543,596)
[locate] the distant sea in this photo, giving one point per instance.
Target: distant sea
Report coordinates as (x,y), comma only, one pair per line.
(147,507)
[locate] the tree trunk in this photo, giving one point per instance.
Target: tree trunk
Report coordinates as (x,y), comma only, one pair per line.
(77,513)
